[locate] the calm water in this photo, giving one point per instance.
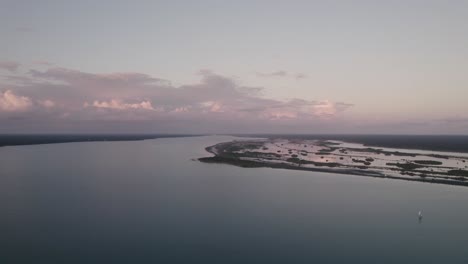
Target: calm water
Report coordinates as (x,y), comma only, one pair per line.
(148,202)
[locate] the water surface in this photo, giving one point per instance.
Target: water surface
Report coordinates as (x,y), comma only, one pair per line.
(148,201)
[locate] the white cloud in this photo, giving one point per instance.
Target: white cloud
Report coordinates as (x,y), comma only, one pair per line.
(9,102)
(119,105)
(211,106)
(182,109)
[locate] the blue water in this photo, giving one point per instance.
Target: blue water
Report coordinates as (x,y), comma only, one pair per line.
(149,202)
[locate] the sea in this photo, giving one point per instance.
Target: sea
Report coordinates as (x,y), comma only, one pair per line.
(151,201)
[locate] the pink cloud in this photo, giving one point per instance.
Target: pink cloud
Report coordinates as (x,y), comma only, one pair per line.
(325,109)
(183,109)
(65,94)
(211,106)
(119,105)
(10,102)
(55,96)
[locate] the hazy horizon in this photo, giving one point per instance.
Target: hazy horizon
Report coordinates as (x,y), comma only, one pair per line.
(243,67)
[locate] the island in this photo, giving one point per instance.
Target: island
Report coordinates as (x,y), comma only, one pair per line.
(345,158)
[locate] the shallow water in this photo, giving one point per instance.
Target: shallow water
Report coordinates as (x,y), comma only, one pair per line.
(148,201)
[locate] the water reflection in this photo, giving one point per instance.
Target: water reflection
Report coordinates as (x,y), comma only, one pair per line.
(149,202)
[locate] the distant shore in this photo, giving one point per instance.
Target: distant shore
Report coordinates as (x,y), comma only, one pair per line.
(19,140)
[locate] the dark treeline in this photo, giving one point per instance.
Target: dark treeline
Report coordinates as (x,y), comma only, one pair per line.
(13,140)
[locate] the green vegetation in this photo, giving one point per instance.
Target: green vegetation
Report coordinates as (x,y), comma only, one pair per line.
(439,156)
(463,173)
(381,151)
(359,161)
(319,164)
(255,154)
(326,164)
(406,166)
(253,145)
(233,148)
(428,162)
(232,161)
(329,149)
(295,160)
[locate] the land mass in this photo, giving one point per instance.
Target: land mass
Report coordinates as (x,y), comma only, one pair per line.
(344,158)
(451,143)
(14,140)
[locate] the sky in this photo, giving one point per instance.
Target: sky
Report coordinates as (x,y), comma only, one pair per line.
(366,67)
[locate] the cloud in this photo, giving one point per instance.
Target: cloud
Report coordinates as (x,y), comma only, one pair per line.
(215,107)
(9,65)
(326,108)
(10,102)
(64,94)
(299,109)
(119,105)
(47,103)
(78,77)
(78,85)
